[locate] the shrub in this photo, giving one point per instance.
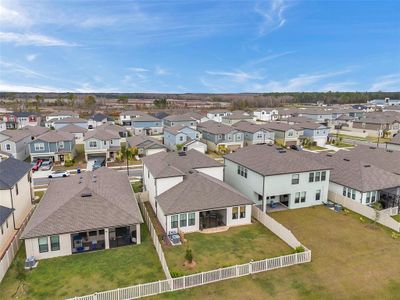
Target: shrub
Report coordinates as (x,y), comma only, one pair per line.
(189,255)
(175,274)
(69,163)
(299,249)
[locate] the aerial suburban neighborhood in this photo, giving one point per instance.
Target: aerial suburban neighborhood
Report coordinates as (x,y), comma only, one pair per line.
(191,150)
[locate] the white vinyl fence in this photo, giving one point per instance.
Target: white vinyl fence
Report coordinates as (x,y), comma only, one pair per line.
(12,250)
(391,211)
(154,237)
(383,218)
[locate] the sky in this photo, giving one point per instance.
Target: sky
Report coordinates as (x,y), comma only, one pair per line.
(183,46)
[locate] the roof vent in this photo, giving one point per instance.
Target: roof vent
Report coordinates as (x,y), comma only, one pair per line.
(391,151)
(367,166)
(182,153)
(346,159)
(372,147)
(329,155)
(86,194)
(282,151)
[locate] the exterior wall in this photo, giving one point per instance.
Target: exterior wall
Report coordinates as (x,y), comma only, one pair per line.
(197,145)
(266,116)
(183,123)
(290,137)
(259,137)
(22,203)
(216,172)
(196,227)
(217,117)
(19,149)
(239,221)
(32,247)
(8,234)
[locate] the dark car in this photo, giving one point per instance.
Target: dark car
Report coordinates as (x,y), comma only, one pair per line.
(295,147)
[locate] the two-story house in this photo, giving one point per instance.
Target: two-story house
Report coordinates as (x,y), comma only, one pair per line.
(55,145)
(285,134)
(274,177)
(177,137)
(77,131)
(180,120)
(266,114)
(255,133)
(236,116)
(99,119)
(217,135)
(18,120)
(58,124)
(15,142)
(217,114)
(141,123)
(187,192)
(102,143)
(317,133)
(15,199)
(58,115)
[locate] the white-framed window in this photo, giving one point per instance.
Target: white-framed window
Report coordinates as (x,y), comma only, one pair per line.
(318,195)
(93,144)
(242,212)
(290,133)
(242,171)
(43,244)
(39,146)
(181,138)
(368,197)
(297,197)
(105,143)
(8,147)
(317,176)
(323,175)
(174,221)
(183,220)
(311,177)
(55,242)
(235,212)
(295,178)
(192,219)
(303,197)
(238,136)
(61,145)
(259,135)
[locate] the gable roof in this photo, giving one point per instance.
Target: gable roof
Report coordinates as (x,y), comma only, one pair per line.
(55,136)
(171,164)
(146,142)
(101,134)
(16,135)
(11,171)
(60,212)
(98,117)
(250,127)
(199,191)
(70,120)
(177,129)
(72,128)
(5,212)
(269,160)
(215,127)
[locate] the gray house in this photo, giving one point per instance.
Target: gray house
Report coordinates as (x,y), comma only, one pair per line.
(255,133)
(56,145)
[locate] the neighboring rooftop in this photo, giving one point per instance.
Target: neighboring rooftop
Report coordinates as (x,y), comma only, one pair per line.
(145,142)
(64,113)
(70,120)
(246,126)
(215,127)
(19,134)
(197,192)
(72,128)
(395,140)
(55,136)
(270,160)
(99,117)
(5,212)
(171,164)
(101,133)
(11,171)
(91,203)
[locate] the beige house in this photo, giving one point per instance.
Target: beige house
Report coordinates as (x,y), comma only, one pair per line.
(86,218)
(15,199)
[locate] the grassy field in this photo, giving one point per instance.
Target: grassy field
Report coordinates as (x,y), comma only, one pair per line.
(85,273)
(238,245)
(350,260)
(396,217)
(368,138)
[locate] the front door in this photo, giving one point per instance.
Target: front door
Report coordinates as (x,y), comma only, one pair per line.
(61,157)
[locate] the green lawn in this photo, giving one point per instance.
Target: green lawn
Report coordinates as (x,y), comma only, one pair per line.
(137,186)
(350,260)
(315,148)
(343,145)
(39,194)
(368,138)
(85,273)
(238,245)
(396,217)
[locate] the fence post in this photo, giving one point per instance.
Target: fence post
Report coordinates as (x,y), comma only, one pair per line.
(184,281)
(250,268)
(140,290)
(295,258)
(281,261)
(118,296)
(202,277)
(220,273)
(95,296)
(237,271)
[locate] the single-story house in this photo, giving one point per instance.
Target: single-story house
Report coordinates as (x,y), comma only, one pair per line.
(146,145)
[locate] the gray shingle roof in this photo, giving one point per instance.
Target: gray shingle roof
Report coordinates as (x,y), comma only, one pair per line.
(101,133)
(5,212)
(19,134)
(215,127)
(55,136)
(70,120)
(64,210)
(72,128)
(245,126)
(170,164)
(11,171)
(199,191)
(269,160)
(146,142)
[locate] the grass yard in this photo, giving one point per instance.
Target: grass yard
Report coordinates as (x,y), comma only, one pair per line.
(39,194)
(396,217)
(368,138)
(350,260)
(238,245)
(315,148)
(137,186)
(85,273)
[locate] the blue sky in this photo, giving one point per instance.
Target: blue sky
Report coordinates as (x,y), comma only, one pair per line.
(199,46)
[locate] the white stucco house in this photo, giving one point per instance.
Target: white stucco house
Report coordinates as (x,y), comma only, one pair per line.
(187,193)
(277,178)
(266,114)
(88,217)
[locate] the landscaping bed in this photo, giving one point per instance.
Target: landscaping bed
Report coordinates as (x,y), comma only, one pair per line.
(85,273)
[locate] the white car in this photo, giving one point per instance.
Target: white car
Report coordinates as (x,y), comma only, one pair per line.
(59,173)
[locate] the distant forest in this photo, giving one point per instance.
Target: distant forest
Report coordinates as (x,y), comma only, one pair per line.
(238,101)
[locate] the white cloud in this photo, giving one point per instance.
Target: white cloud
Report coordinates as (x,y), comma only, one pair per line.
(237,76)
(24,39)
(31,57)
(13,17)
(272,13)
(160,71)
(387,83)
(270,57)
(10,87)
(16,68)
(343,86)
(138,69)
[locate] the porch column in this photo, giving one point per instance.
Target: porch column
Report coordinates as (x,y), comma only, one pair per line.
(138,241)
(106,238)
(264,205)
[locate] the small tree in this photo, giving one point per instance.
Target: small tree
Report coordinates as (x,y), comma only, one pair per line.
(189,255)
(179,147)
(377,206)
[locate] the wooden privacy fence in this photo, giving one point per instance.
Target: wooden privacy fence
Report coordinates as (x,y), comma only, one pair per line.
(12,250)
(382,217)
(154,237)
(184,282)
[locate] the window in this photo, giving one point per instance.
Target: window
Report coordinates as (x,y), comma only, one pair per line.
(317,176)
(344,191)
(16,189)
(238,136)
(192,219)
(43,244)
(174,221)
(323,175)
(8,147)
(93,144)
(183,220)
(105,143)
(101,232)
(6,223)
(297,198)
(181,138)
(368,199)
(61,145)
(259,135)
(353,194)
(93,233)
(373,196)
(112,142)
(348,193)
(39,147)
(311,177)
(303,197)
(242,171)
(235,210)
(243,212)
(55,242)
(197,135)
(295,178)
(318,195)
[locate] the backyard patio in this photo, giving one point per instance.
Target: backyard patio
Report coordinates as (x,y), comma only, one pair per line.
(237,245)
(85,273)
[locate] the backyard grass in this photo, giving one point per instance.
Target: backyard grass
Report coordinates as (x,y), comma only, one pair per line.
(368,138)
(137,186)
(39,194)
(350,260)
(85,273)
(238,245)
(396,217)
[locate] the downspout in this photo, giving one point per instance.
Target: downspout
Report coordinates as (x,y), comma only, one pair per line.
(12,206)
(264,195)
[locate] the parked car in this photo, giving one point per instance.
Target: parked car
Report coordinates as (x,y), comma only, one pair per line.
(59,173)
(37,165)
(98,163)
(295,147)
(46,165)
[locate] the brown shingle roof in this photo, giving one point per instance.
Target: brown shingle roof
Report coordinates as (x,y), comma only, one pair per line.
(199,191)
(215,127)
(146,142)
(70,120)
(101,134)
(72,128)
(63,210)
(56,136)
